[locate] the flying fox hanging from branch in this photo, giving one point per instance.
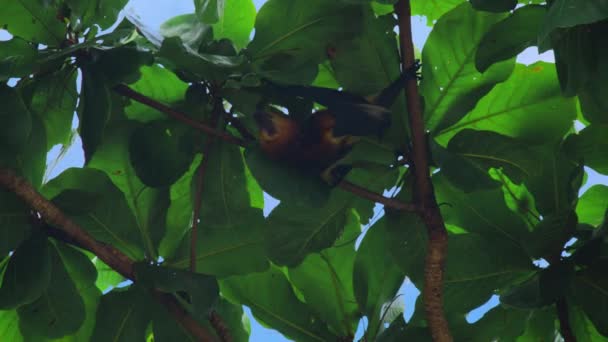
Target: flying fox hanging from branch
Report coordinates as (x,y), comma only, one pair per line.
(324,137)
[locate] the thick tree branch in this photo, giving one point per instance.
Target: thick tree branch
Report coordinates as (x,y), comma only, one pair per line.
(107,253)
(423,193)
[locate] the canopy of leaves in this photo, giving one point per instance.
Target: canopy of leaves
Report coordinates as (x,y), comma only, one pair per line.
(508,170)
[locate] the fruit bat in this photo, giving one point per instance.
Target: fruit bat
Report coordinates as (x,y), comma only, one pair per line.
(326,136)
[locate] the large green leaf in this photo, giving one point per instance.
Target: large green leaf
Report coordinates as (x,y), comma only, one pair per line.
(160,152)
(89,198)
(95,12)
(510,36)
(33,21)
(15,222)
(122,316)
(494,5)
(583,328)
(592,206)
(528,106)
(291,34)
(556,182)
(53,98)
(273,302)
(433,9)
(27,274)
(589,146)
(498,324)
(93,110)
(452,85)
(209,11)
(16,118)
(159,84)
(569,13)
(482,212)
(149,205)
(369,63)
(201,290)
(470,155)
(18,58)
(591,293)
(189,28)
(376,278)
(60,310)
(478,266)
(325,281)
(236,22)
(225,251)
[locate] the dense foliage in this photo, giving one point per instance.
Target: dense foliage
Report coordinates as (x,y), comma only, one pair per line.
(508,166)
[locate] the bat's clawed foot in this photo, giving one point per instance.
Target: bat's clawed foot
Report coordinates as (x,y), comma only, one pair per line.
(414,70)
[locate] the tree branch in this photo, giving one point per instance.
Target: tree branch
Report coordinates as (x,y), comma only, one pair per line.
(561,306)
(134,95)
(375,197)
(423,193)
(107,253)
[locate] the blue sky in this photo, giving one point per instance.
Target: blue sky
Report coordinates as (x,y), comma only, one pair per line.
(162,10)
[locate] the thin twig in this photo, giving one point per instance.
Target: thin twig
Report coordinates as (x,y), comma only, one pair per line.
(423,193)
(134,95)
(107,253)
(561,306)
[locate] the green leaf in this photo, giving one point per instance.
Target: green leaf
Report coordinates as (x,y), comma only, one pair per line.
(589,145)
(510,36)
(498,324)
(122,316)
(591,293)
(528,106)
(17,119)
(556,182)
(369,63)
(433,10)
(471,154)
(53,98)
(452,85)
(189,28)
(9,326)
(60,310)
(209,11)
(93,110)
(407,241)
(18,58)
(540,326)
(376,278)
(477,266)
(119,64)
(481,212)
(159,84)
(592,206)
(225,251)
(15,222)
(225,197)
(107,278)
(285,183)
(91,200)
(291,34)
(236,22)
(33,21)
(325,281)
(569,13)
(159,152)
(148,205)
(27,274)
(292,232)
(95,12)
(494,5)
(202,290)
(399,331)
(198,65)
(273,302)
(550,234)
(581,325)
